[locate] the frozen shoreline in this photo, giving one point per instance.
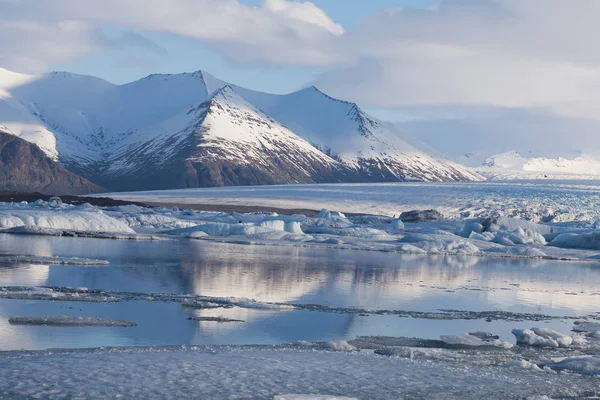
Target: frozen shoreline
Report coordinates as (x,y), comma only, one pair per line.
(491,232)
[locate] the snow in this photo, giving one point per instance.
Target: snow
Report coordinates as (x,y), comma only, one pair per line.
(266,372)
(66,321)
(310,397)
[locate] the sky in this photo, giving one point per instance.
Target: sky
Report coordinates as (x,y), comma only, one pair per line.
(184,55)
(482,76)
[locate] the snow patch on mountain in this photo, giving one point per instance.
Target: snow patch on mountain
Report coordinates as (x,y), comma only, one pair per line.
(512,165)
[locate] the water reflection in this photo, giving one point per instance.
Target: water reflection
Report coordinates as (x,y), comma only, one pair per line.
(371,280)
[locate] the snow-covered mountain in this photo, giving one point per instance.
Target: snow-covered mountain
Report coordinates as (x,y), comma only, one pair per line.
(24,167)
(190,130)
(512,165)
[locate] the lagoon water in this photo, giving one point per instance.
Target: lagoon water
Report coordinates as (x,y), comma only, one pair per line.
(295,275)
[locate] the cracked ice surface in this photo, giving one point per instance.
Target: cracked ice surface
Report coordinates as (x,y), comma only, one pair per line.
(266,372)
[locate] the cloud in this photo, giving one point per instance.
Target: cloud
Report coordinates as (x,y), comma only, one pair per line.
(277,32)
(494,53)
(31,45)
(130,39)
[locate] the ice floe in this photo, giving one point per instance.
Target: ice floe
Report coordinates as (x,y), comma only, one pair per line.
(214,319)
(67,321)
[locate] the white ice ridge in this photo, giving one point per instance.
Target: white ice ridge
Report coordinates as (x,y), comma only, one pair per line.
(46,217)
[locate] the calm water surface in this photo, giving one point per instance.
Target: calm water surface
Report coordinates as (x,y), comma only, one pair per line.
(370,280)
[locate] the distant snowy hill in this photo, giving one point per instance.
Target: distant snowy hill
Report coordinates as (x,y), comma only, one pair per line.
(193,130)
(512,165)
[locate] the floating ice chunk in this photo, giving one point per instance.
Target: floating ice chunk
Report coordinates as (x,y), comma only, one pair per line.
(262,306)
(441,244)
(562,340)
(69,219)
(580,365)
(463,339)
(155,220)
(203,304)
(339,345)
(587,241)
(240,229)
(66,321)
(471,339)
(214,319)
(485,236)
(198,235)
(324,214)
(410,249)
(526,236)
(26,259)
(526,252)
(275,225)
(328,219)
(524,364)
(590,329)
(49,294)
(421,216)
(505,231)
(294,227)
(397,224)
(542,337)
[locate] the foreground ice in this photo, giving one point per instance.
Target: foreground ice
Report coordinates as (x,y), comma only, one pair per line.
(310,397)
(67,321)
(218,372)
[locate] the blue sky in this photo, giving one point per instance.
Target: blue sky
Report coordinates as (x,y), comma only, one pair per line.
(185,55)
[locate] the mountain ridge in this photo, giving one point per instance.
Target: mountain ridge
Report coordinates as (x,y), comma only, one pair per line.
(104,131)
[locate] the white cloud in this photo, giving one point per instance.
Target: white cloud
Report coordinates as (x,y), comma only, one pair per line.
(32,45)
(496,53)
(277,32)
